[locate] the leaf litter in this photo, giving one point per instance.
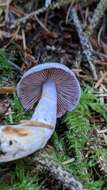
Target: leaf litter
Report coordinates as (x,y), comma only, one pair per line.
(28,38)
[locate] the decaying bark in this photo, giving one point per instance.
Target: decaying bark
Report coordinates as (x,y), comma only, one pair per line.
(56,172)
(98,14)
(84,40)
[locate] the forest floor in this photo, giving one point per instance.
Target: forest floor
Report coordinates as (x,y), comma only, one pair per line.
(74,33)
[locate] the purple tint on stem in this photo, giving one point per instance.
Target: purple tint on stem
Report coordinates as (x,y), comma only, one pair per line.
(46,109)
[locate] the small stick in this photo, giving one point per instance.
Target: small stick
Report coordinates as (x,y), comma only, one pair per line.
(104,88)
(24,40)
(16,67)
(101,97)
(14,35)
(24,44)
(101,80)
(98,14)
(105,138)
(68,161)
(41,24)
(101,131)
(84,40)
(100,62)
(10,115)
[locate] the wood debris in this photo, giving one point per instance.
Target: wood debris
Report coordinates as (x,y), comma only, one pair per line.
(84,40)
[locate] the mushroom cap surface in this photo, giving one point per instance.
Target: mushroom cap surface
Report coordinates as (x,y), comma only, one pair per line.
(29,88)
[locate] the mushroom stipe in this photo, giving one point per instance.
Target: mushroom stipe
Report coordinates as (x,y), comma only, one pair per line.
(57,90)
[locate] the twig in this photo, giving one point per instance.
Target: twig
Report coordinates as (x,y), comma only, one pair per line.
(102,94)
(41,24)
(98,14)
(43,9)
(25,18)
(105,138)
(100,62)
(24,40)
(101,98)
(84,40)
(10,115)
(14,35)
(16,67)
(101,131)
(68,161)
(104,75)
(99,35)
(56,171)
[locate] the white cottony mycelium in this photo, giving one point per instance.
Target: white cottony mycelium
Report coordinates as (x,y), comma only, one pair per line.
(17,141)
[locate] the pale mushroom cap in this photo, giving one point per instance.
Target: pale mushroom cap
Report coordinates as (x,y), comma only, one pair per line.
(18,141)
(29,88)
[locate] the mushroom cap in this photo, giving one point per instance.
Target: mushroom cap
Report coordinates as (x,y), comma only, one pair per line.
(29,88)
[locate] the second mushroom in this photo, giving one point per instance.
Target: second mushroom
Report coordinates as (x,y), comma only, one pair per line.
(57,90)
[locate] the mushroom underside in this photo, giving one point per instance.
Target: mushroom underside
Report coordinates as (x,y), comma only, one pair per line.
(68,89)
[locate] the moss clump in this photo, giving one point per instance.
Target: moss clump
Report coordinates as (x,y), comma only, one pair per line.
(83,143)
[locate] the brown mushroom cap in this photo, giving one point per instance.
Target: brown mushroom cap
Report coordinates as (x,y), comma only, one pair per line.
(29,88)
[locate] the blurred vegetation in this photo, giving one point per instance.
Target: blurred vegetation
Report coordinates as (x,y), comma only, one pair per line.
(80,141)
(4,65)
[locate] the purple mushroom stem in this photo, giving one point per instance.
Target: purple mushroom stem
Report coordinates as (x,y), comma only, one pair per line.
(46,110)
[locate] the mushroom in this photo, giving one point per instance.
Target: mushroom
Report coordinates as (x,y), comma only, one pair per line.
(57,90)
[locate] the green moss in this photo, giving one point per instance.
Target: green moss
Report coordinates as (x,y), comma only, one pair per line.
(21,179)
(5,67)
(18,113)
(78,141)
(83,146)
(6,72)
